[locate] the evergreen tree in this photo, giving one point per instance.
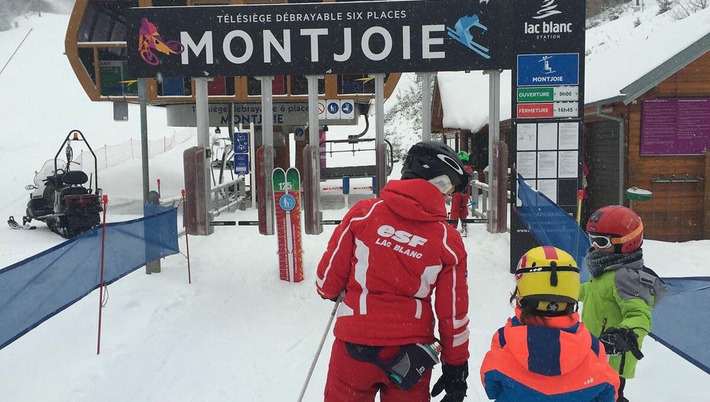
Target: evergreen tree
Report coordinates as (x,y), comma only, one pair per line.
(403,119)
(5,17)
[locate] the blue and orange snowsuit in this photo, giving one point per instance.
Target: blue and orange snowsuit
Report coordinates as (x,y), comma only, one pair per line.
(557,360)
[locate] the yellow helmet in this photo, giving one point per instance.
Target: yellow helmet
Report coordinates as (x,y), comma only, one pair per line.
(550,277)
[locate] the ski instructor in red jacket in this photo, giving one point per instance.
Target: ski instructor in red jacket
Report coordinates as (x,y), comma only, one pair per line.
(388,257)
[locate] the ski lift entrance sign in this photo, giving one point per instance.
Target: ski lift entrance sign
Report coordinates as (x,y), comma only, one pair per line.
(318,38)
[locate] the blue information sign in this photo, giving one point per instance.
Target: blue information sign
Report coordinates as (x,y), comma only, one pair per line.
(548,69)
(241,163)
(241,142)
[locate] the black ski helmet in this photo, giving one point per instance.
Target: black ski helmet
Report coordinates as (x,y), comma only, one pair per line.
(430,159)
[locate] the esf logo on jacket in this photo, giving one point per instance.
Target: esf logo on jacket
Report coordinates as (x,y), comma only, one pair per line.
(400,236)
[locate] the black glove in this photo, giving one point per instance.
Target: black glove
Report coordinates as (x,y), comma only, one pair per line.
(453,380)
(620,340)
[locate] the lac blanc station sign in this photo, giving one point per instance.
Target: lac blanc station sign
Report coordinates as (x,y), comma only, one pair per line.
(319,38)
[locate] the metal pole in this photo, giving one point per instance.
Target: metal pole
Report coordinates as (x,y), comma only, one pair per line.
(320,347)
(314,224)
(380,151)
(203,140)
(493,137)
(252,163)
(231,124)
(267,116)
(151,266)
(426,106)
(16,49)
(267,135)
(142,95)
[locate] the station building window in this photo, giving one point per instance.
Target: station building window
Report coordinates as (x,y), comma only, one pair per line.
(174,86)
(221,86)
(299,85)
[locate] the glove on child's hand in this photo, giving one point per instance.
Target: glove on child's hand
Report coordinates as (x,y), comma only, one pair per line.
(620,340)
(453,380)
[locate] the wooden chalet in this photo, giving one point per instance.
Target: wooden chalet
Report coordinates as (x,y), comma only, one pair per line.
(626,144)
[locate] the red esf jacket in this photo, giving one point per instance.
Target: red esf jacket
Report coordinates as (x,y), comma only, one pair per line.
(557,359)
(390,254)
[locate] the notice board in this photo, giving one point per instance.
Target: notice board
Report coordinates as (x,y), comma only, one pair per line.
(675,126)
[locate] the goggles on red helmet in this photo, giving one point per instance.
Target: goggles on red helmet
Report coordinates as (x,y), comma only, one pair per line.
(606,241)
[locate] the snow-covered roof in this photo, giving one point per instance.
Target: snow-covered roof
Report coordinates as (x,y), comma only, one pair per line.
(464,98)
(624,58)
(619,54)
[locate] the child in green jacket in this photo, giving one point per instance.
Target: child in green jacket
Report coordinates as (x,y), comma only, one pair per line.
(621,291)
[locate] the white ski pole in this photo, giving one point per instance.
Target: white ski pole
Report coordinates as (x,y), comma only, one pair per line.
(320,347)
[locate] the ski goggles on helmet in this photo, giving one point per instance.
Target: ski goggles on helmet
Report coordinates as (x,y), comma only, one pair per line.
(606,241)
(443,183)
(600,241)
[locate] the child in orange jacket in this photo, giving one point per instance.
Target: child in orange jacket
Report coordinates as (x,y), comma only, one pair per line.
(544,353)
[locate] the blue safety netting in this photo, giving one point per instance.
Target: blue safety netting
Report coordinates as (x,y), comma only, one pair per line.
(680,321)
(552,226)
(37,288)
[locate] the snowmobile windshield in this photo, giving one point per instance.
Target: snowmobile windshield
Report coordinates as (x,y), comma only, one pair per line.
(48,170)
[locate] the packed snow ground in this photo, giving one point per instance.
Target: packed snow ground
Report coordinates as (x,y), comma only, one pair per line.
(237,332)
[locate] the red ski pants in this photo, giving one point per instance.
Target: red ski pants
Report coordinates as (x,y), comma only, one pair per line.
(459,206)
(350,380)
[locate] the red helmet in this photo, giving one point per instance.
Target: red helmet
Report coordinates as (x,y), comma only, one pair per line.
(621,227)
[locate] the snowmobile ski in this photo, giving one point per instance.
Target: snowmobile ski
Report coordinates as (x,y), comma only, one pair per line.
(14,225)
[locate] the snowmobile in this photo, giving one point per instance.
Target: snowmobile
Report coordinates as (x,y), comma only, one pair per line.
(59,197)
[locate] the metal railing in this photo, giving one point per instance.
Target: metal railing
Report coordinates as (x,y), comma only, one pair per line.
(479,198)
(228,196)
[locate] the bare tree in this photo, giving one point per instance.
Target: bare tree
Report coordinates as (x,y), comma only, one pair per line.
(685,8)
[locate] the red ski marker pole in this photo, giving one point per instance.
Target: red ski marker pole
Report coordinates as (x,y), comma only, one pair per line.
(101,276)
(187,242)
